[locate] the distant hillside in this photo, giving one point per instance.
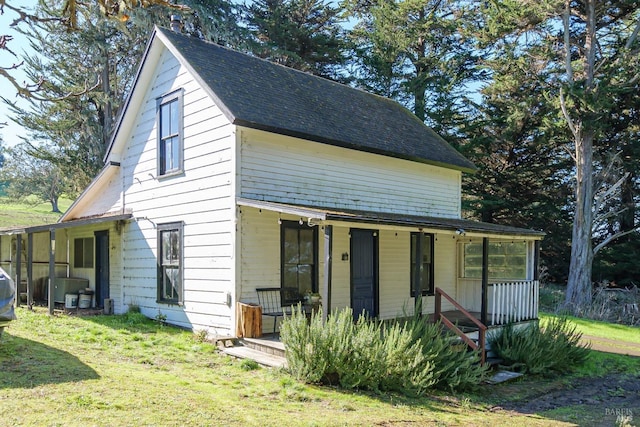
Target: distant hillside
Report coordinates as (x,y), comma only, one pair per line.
(22,214)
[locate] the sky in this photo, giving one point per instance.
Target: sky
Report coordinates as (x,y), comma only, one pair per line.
(11,133)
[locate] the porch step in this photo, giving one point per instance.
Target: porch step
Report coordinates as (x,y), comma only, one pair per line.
(268,344)
(265,359)
(267,351)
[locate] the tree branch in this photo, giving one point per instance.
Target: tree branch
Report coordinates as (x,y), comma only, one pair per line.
(566,17)
(609,239)
(633,36)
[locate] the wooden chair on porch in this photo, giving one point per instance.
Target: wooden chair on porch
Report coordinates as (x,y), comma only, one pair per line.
(276,302)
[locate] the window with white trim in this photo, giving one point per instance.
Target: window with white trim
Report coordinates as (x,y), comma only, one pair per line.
(170,279)
(170,134)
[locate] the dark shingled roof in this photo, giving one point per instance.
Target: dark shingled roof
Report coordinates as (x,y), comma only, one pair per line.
(261,95)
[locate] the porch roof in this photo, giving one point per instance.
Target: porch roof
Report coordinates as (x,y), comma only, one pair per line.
(453,225)
(67,224)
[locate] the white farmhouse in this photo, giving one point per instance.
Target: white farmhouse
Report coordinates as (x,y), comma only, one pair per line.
(227,173)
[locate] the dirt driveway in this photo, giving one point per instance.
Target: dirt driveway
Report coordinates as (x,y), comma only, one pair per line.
(612,346)
(611,400)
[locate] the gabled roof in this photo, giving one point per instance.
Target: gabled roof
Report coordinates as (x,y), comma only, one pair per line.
(258,94)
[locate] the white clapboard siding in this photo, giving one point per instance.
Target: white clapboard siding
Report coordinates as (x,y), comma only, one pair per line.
(296,171)
(395,255)
(260,252)
(446,270)
(201,198)
(395,249)
(341,279)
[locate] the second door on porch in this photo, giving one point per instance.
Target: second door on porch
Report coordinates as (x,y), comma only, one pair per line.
(364,272)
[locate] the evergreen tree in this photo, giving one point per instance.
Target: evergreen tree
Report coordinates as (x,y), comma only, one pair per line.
(83,76)
(301,34)
(515,141)
(414,51)
(593,53)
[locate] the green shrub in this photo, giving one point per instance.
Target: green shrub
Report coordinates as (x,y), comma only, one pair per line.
(554,348)
(408,357)
(454,365)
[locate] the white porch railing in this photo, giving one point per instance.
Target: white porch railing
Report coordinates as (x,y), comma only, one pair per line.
(513,301)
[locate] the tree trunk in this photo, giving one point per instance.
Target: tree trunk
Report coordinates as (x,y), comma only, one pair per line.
(579,287)
(54,205)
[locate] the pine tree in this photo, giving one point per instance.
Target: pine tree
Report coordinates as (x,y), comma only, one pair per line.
(301,34)
(414,51)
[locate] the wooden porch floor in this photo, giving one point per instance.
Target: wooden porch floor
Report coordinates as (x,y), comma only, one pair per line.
(458,318)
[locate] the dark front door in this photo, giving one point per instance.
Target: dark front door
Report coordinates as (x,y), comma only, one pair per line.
(102,267)
(364,272)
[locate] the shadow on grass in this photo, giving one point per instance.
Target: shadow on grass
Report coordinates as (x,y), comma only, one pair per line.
(134,323)
(27,364)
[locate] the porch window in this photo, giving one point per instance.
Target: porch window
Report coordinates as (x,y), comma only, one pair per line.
(421,264)
(507,260)
(170,262)
(170,135)
(83,252)
(298,259)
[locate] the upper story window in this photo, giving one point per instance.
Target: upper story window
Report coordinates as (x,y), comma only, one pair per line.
(170,134)
(421,264)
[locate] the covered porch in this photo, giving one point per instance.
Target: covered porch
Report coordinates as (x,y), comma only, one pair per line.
(464,258)
(47,261)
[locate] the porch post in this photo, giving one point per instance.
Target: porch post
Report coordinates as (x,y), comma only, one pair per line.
(536,260)
(18,267)
(326,290)
(52,267)
(485,279)
(30,270)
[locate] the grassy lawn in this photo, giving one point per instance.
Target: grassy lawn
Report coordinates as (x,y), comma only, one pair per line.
(20,214)
(128,370)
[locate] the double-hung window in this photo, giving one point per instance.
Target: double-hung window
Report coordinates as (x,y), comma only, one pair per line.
(170,134)
(421,264)
(170,280)
(299,258)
